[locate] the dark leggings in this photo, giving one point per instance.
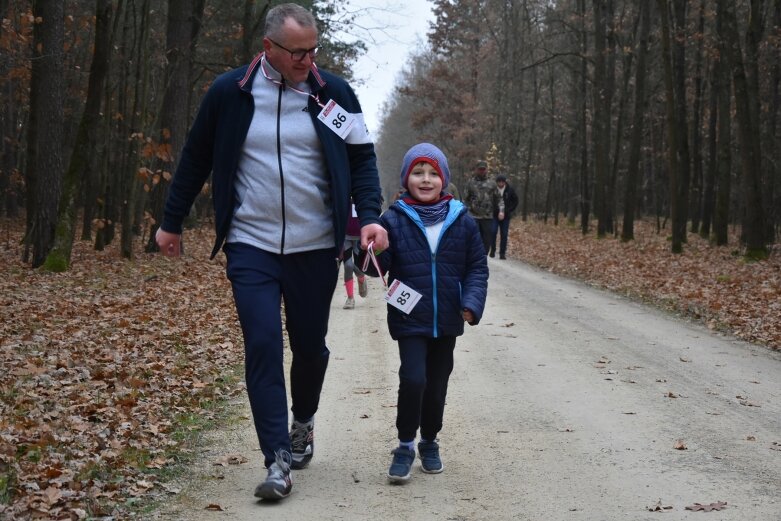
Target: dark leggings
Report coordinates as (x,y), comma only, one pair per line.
(426,364)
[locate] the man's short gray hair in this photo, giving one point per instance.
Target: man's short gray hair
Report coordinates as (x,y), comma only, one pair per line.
(276,17)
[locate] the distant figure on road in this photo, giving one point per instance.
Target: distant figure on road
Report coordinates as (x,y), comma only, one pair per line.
(478,197)
(505,202)
(438,276)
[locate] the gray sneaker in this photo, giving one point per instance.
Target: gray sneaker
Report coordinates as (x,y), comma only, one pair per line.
(279,482)
(363,288)
(302,443)
(349,303)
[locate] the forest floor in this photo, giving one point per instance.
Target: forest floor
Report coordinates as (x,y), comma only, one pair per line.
(116,367)
(714,284)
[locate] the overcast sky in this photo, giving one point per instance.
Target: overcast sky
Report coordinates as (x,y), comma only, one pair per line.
(391,29)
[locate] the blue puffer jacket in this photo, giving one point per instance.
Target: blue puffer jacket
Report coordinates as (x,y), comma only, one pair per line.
(453,278)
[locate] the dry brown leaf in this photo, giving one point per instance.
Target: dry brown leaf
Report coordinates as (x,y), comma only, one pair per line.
(214,507)
(719,505)
(680,445)
(230,459)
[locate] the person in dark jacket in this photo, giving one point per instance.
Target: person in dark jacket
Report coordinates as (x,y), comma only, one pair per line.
(436,254)
(287,147)
(505,201)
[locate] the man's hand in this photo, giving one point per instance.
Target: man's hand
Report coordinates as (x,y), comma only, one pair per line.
(468,316)
(169,243)
(376,233)
(501,216)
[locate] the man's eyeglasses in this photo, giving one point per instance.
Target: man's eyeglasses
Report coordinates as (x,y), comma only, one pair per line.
(297,55)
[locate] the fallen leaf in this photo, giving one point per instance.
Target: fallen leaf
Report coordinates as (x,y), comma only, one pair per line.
(751,438)
(682,359)
(719,505)
(671,394)
(658,507)
(230,459)
(214,507)
(680,445)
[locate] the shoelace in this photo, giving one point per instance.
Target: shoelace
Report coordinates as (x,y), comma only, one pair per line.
(300,434)
(281,465)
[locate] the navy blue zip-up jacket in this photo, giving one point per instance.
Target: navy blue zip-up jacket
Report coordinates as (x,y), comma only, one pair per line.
(218,133)
(452,278)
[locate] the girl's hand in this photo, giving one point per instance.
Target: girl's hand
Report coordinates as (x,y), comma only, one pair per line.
(467,316)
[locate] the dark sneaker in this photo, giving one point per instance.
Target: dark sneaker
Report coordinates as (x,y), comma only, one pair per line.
(401,465)
(429,457)
(502,257)
(278,483)
(363,288)
(302,443)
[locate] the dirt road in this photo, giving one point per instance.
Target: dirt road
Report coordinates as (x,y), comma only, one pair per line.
(566,403)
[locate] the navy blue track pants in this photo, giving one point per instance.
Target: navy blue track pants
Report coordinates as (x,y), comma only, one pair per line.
(261,280)
(426,364)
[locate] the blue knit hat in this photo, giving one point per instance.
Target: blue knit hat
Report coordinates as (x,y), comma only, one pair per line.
(425,153)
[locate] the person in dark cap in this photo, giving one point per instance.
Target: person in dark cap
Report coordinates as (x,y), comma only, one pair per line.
(505,200)
(478,197)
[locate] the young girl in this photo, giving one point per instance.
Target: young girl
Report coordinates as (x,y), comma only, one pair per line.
(352,242)
(435,251)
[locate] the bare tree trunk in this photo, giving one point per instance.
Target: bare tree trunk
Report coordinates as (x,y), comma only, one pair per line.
(724,146)
(623,99)
(254,16)
(83,157)
(673,129)
(181,36)
(131,187)
(630,196)
(696,130)
(530,149)
(774,171)
(101,59)
(47,132)
(601,123)
(10,116)
(585,206)
(549,195)
(708,202)
(746,106)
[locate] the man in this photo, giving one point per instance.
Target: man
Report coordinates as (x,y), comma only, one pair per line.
(478,197)
(281,180)
(504,203)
